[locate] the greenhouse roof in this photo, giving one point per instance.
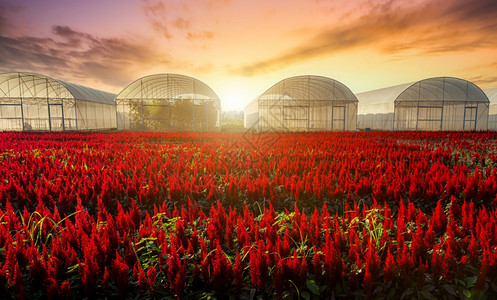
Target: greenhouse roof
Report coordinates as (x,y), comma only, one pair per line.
(384,95)
(443,89)
(84,93)
(309,87)
(31,85)
(168,86)
(431,89)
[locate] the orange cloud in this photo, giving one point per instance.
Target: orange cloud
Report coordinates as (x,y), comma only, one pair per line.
(181,23)
(484,75)
(167,17)
(203,35)
(393,27)
(156,12)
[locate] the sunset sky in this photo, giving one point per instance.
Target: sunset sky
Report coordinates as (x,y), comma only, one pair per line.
(241,48)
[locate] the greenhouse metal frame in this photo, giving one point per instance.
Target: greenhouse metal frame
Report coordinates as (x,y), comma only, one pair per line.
(433,104)
(303,103)
(168,102)
(30,101)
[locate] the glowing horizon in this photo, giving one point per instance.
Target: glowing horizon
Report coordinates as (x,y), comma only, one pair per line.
(241,48)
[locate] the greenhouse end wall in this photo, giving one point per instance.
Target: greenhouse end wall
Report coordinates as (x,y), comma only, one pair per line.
(306,115)
(167,115)
(446,116)
(304,103)
(168,102)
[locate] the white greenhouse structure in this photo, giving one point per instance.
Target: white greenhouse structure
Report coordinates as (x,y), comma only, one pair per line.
(303,103)
(492,112)
(441,103)
(168,102)
(31,101)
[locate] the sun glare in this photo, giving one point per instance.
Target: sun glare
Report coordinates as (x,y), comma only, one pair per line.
(232,100)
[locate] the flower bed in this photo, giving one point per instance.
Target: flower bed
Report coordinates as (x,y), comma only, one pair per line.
(374,214)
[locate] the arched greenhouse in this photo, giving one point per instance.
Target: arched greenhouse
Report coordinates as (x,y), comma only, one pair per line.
(303,103)
(31,101)
(440,103)
(168,102)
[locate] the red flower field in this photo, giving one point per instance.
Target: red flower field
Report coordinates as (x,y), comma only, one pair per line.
(184,215)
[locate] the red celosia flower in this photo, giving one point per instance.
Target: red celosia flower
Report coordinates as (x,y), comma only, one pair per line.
(420,278)
(238,272)
(142,279)
(334,265)
(473,251)
(278,281)
(221,271)
(436,263)
(368,283)
(151,276)
(439,219)
(105,279)
(176,274)
(120,273)
(258,266)
(317,264)
(390,268)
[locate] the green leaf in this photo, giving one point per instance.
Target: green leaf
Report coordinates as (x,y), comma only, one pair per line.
(312,286)
(427,295)
(493,286)
(429,288)
(467,294)
(306,295)
(378,289)
(391,294)
(407,293)
(252,293)
(450,290)
(471,281)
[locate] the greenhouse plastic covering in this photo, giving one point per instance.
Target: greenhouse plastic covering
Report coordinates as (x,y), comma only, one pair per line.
(441,103)
(31,101)
(168,102)
(303,103)
(492,112)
